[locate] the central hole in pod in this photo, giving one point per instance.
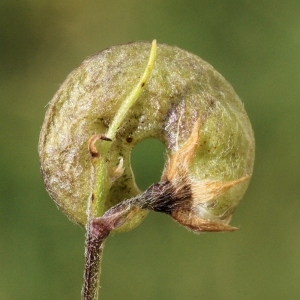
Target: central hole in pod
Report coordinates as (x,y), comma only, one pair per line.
(147,162)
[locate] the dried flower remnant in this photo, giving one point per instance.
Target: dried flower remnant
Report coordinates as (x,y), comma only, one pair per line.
(192,213)
(179,195)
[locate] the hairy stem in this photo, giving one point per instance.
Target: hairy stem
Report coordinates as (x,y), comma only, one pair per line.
(96,236)
(98,230)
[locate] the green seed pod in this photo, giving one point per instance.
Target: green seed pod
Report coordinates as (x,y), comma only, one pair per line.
(185,103)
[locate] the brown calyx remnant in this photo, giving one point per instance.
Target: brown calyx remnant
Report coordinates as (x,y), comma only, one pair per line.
(184,193)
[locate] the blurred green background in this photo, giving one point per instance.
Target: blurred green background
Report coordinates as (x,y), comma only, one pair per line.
(256,46)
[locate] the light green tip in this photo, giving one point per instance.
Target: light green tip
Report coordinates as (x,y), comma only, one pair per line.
(134,94)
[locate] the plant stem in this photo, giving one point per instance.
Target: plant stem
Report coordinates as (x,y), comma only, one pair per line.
(133,96)
(99,228)
(94,248)
(101,184)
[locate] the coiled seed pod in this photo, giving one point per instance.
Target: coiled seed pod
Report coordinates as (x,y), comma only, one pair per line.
(185,103)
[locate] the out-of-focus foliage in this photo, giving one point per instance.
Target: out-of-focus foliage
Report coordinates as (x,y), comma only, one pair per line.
(256,46)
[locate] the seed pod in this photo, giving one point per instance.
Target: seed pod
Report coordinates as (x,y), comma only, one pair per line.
(186,104)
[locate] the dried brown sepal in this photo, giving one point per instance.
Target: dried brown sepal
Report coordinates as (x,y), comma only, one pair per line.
(206,191)
(198,192)
(196,224)
(178,165)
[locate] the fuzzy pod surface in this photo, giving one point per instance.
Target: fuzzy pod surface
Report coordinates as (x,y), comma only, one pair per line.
(182,89)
